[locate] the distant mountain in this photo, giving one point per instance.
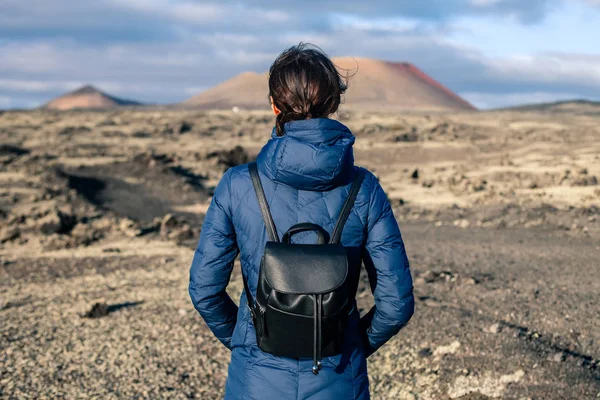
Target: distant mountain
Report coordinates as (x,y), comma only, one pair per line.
(576,105)
(87,97)
(374,86)
(248,90)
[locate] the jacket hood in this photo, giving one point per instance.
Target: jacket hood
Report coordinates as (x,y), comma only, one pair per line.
(314,154)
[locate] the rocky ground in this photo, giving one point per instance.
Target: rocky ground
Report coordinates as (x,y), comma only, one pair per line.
(100,212)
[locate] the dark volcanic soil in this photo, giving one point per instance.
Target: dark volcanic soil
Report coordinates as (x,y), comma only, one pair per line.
(148,187)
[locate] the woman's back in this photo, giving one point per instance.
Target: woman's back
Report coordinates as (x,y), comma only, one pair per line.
(306,174)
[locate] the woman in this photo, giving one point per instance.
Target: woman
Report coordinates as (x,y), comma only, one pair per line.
(306,170)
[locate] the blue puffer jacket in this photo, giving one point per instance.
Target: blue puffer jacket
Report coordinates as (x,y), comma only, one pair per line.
(307,176)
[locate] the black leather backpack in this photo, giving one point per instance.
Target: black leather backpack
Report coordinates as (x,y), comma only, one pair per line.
(305,291)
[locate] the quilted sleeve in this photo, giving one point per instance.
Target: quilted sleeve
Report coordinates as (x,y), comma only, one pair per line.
(212,265)
(389,274)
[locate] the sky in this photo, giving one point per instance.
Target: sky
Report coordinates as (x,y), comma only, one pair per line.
(494,53)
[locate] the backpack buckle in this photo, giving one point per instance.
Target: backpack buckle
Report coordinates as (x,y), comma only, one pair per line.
(252,311)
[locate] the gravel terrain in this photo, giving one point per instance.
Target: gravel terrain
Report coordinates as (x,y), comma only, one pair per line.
(100,212)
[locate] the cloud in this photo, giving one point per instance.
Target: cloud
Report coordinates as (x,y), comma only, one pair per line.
(166,72)
(552,68)
(150,72)
(570,74)
(524,11)
(82,21)
(197,13)
(439,10)
(160,50)
(30,58)
(156,20)
(5,102)
(35,86)
(491,100)
(110,21)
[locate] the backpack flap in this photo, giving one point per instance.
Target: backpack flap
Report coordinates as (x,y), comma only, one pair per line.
(304,268)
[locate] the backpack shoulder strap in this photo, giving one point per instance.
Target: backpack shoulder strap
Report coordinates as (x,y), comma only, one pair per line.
(269,224)
(347,207)
(262,202)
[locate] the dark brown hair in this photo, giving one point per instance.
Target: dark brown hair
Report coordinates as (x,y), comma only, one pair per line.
(304,83)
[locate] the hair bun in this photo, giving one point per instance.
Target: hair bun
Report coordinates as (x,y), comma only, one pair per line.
(304,83)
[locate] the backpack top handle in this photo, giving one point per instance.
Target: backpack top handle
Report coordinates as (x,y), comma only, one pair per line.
(322,234)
